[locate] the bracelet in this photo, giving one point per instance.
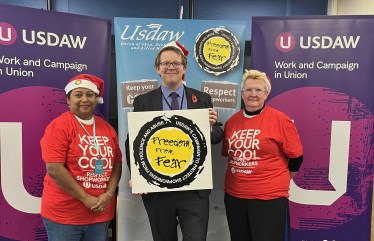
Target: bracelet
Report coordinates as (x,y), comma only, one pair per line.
(109,190)
(110,195)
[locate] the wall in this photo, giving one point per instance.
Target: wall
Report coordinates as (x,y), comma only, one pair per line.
(241,10)
(357,7)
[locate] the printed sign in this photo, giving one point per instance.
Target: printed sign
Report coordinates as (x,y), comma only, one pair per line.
(224,94)
(169,150)
(138,40)
(217,51)
(131,89)
(40,52)
(321,75)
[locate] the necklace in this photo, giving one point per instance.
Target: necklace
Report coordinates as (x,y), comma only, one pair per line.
(94,135)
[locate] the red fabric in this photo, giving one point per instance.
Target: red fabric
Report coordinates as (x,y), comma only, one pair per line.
(66,141)
(257,149)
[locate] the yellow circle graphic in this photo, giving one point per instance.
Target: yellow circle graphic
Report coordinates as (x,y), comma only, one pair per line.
(217,50)
(78,82)
(170,151)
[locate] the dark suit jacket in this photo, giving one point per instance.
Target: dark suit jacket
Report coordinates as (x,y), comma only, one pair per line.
(152,101)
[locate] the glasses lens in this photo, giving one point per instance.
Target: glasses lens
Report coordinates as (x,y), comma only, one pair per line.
(256,91)
(167,65)
(177,65)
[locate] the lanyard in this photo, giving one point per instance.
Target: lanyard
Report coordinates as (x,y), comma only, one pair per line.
(168,102)
(94,135)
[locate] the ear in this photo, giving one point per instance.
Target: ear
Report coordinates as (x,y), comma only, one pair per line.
(267,94)
(158,70)
(67,99)
(184,70)
(242,93)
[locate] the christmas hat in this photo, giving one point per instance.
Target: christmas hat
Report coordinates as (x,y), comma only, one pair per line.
(177,45)
(87,81)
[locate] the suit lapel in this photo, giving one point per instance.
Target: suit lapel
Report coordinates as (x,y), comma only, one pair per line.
(157,100)
(190,103)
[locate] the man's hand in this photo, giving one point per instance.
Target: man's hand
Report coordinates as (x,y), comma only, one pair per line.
(212,116)
(137,194)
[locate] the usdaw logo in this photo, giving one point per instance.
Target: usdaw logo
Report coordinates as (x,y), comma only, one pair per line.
(8,34)
(285,42)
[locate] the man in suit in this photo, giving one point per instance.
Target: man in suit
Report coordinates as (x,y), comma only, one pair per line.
(188,208)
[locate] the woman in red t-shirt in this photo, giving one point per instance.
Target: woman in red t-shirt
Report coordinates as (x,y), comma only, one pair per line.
(264,152)
(84,165)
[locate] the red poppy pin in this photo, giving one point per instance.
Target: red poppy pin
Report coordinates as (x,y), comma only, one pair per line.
(194,98)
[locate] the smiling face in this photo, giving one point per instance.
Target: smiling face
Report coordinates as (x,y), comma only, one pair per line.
(82,102)
(171,77)
(254,94)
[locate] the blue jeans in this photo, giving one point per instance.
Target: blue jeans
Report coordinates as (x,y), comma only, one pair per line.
(64,232)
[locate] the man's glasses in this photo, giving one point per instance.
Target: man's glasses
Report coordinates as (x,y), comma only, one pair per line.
(257,91)
(166,65)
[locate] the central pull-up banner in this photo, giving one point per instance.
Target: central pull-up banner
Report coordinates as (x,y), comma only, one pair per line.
(215,66)
(321,70)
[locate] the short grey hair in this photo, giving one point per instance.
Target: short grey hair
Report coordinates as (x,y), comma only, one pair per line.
(255,74)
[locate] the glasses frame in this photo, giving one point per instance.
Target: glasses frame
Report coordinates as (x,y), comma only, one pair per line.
(163,65)
(257,91)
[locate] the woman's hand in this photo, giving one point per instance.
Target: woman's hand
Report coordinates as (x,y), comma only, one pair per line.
(90,201)
(102,204)
(61,176)
(292,174)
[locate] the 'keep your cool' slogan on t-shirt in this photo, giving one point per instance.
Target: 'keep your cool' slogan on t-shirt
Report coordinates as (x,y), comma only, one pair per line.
(87,160)
(243,146)
(258,149)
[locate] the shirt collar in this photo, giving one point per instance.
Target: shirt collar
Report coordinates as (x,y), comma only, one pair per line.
(166,92)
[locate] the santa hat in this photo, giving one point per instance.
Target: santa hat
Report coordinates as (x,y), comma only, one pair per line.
(177,45)
(268,83)
(87,81)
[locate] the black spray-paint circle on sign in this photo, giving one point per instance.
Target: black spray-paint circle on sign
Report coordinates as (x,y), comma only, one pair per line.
(145,166)
(217,51)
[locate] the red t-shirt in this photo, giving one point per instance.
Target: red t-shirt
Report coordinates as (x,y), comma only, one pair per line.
(66,141)
(257,149)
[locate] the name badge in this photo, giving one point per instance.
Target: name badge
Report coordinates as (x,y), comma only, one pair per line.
(99,166)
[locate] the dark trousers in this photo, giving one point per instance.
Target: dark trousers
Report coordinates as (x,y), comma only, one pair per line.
(185,207)
(258,220)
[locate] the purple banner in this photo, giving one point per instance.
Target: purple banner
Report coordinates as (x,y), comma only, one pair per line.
(321,70)
(40,52)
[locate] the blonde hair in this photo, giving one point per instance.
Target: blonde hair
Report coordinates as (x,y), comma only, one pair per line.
(255,74)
